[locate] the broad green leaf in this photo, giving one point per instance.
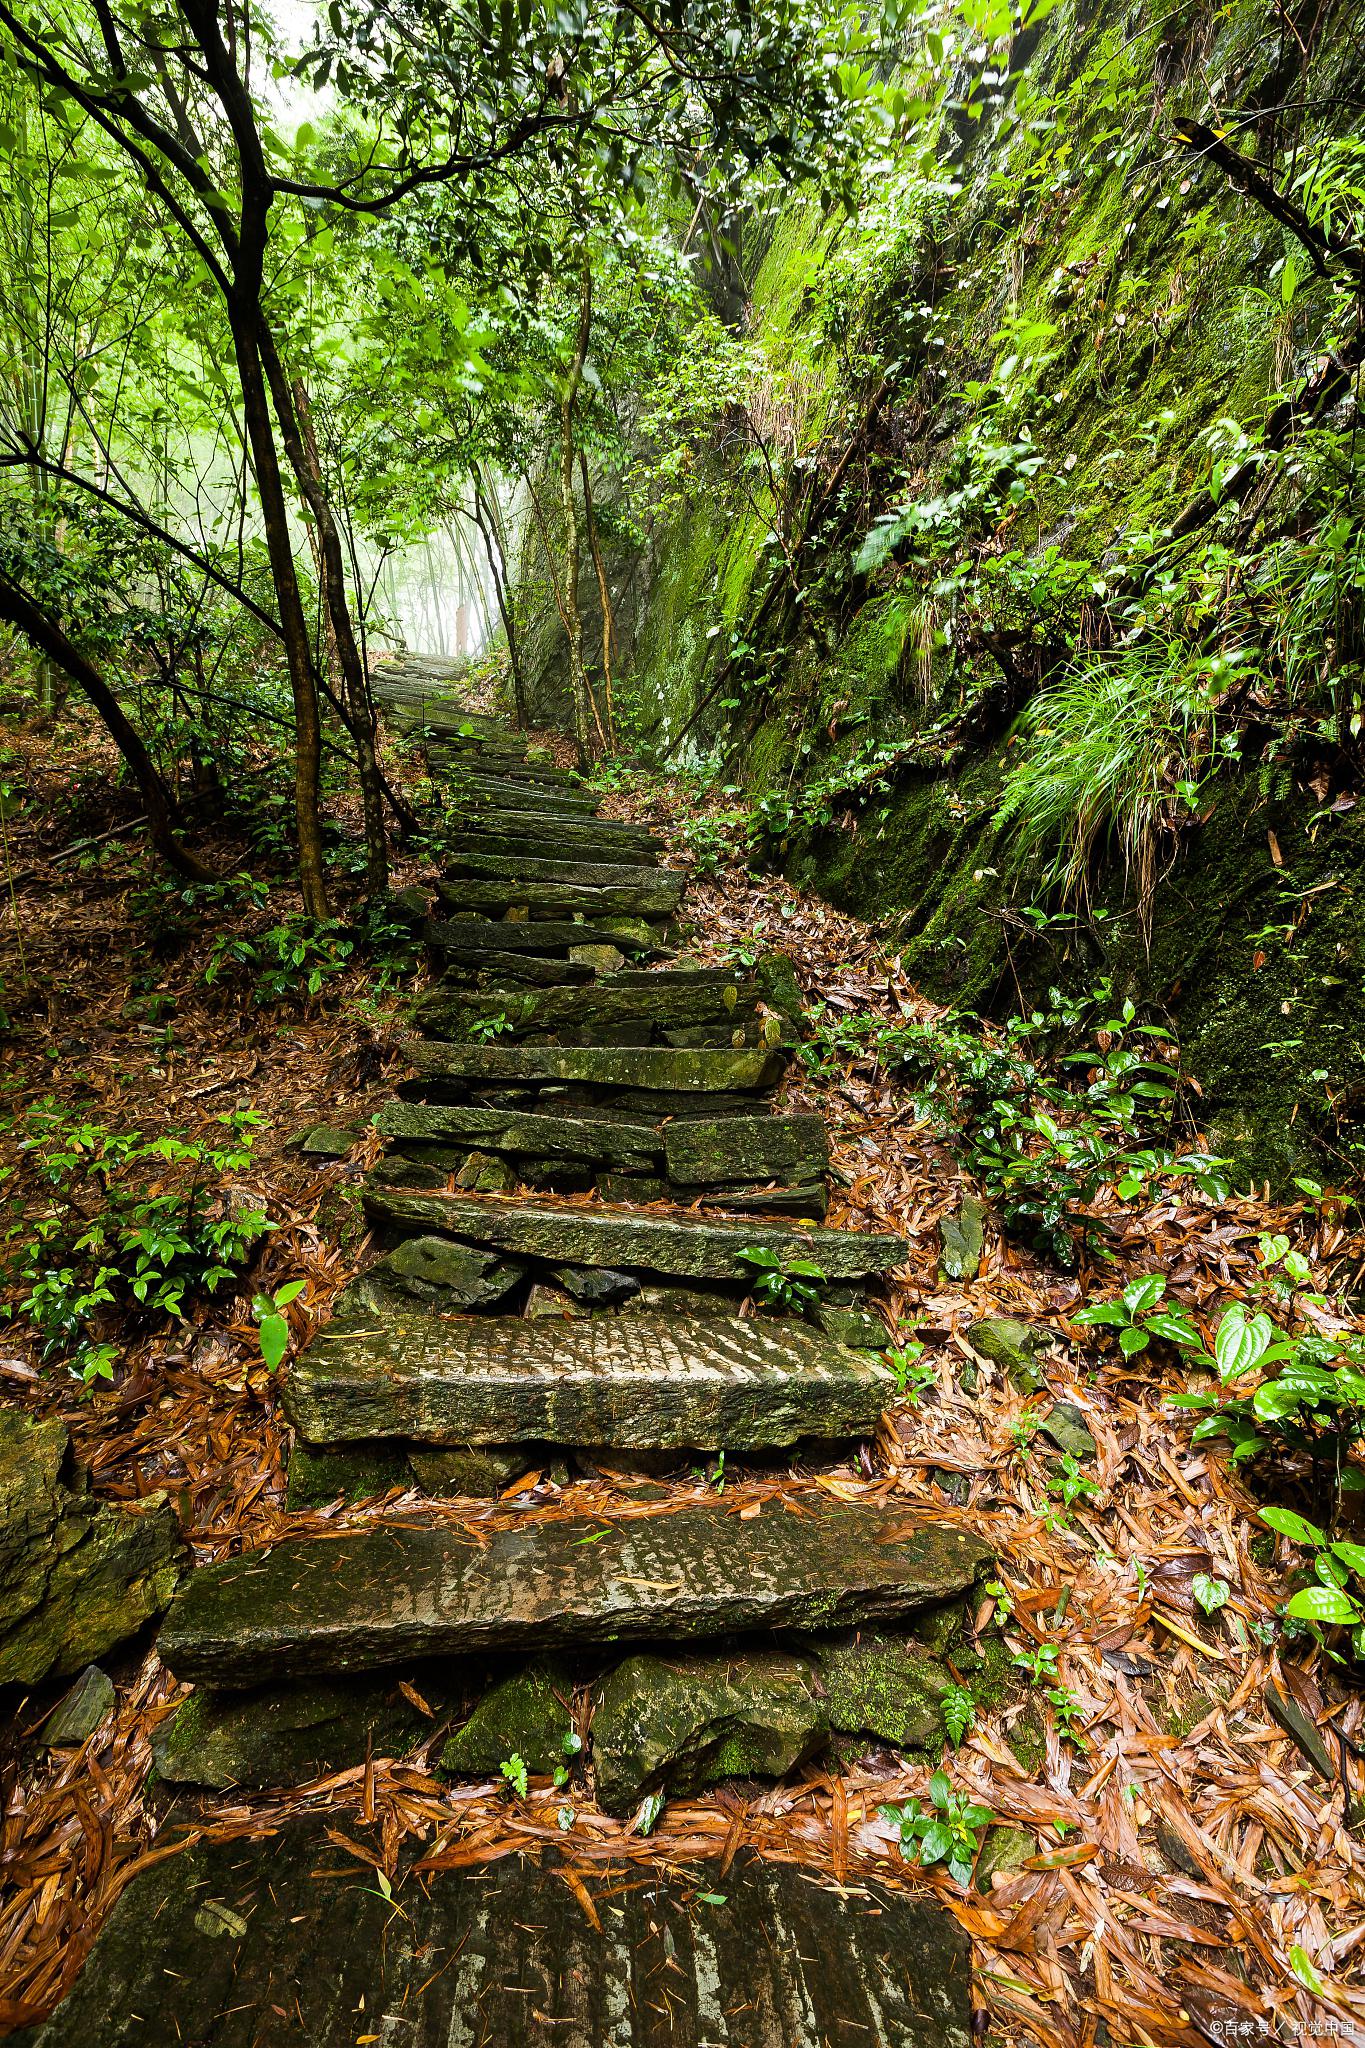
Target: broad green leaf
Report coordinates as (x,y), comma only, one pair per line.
(1295,1527)
(1324,1604)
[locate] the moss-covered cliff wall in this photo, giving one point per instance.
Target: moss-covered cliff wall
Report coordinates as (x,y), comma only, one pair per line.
(1018,436)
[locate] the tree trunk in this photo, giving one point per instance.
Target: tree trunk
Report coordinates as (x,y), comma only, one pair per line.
(584,710)
(490,526)
(603,591)
(244,317)
(355,693)
(50,641)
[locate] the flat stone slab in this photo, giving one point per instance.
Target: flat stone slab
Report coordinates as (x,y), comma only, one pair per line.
(637,1382)
(476,789)
(612,1141)
(529,843)
(470,935)
(584,1234)
(391,1593)
(578,874)
(659,1001)
(212,1945)
(735,1149)
(664,1069)
(650,897)
(569,831)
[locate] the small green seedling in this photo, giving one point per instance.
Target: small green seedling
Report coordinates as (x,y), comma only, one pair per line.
(947,1831)
(273,1324)
(783,1283)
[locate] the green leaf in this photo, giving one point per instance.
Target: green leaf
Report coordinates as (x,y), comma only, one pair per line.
(936,1843)
(1141,1295)
(1324,1604)
(274,1336)
(1352,1554)
(1295,1527)
(1210,1593)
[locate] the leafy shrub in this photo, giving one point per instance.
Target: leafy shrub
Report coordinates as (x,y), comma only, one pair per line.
(783,1283)
(286,963)
(948,1830)
(113,1238)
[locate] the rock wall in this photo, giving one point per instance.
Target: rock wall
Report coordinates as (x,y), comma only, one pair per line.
(1057,331)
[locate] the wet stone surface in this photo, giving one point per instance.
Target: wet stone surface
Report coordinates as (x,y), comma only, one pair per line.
(213,1945)
(395,1593)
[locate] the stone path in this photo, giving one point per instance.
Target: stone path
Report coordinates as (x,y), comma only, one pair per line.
(209,1949)
(526,1310)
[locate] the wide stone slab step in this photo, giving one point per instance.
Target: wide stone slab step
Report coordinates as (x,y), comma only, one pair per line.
(734,1150)
(576,873)
(476,789)
(589,1234)
(664,1001)
(653,894)
(393,1592)
(639,1068)
(525,844)
(213,1945)
(467,936)
(644,1382)
(516,817)
(631,1145)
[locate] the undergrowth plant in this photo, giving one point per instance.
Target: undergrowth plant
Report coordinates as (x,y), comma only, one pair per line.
(114,1238)
(948,1830)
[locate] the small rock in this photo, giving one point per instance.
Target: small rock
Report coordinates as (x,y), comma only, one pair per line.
(1012,1344)
(79,1713)
(677,1725)
(875,1686)
(597,1286)
(857,1327)
(1065,1426)
(528,1715)
(456,1275)
(470,1472)
(485,1174)
(964,1239)
(1002,1853)
(411,906)
(632,1187)
(601,959)
(632,933)
(328,1141)
(545,1299)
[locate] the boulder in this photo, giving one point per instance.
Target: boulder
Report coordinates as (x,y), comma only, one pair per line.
(454,1275)
(77,1576)
(677,1724)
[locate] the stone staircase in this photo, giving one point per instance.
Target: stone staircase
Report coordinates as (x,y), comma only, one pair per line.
(570,1183)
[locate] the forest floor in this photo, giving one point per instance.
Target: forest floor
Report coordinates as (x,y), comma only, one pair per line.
(1192,1877)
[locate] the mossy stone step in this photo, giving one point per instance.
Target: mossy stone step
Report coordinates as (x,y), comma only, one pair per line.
(523,842)
(632,1382)
(392,1593)
(466,937)
(210,1947)
(587,1234)
(640,898)
(735,1150)
(577,874)
(643,1069)
(612,1141)
(663,1001)
(503,971)
(476,789)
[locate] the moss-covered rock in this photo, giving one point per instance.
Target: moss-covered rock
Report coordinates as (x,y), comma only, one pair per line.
(319,1475)
(284,1735)
(875,1685)
(77,1576)
(678,1725)
(529,1715)
(1012,1344)
(963,1238)
(1004,1851)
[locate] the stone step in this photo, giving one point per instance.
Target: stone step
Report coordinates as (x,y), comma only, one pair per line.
(642,1069)
(525,843)
(508,976)
(393,1592)
(578,874)
(640,1382)
(663,1001)
(608,1141)
(590,1234)
(568,831)
(211,1945)
(475,789)
(640,898)
(739,1149)
(468,937)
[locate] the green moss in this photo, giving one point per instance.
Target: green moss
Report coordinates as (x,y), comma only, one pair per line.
(527,1715)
